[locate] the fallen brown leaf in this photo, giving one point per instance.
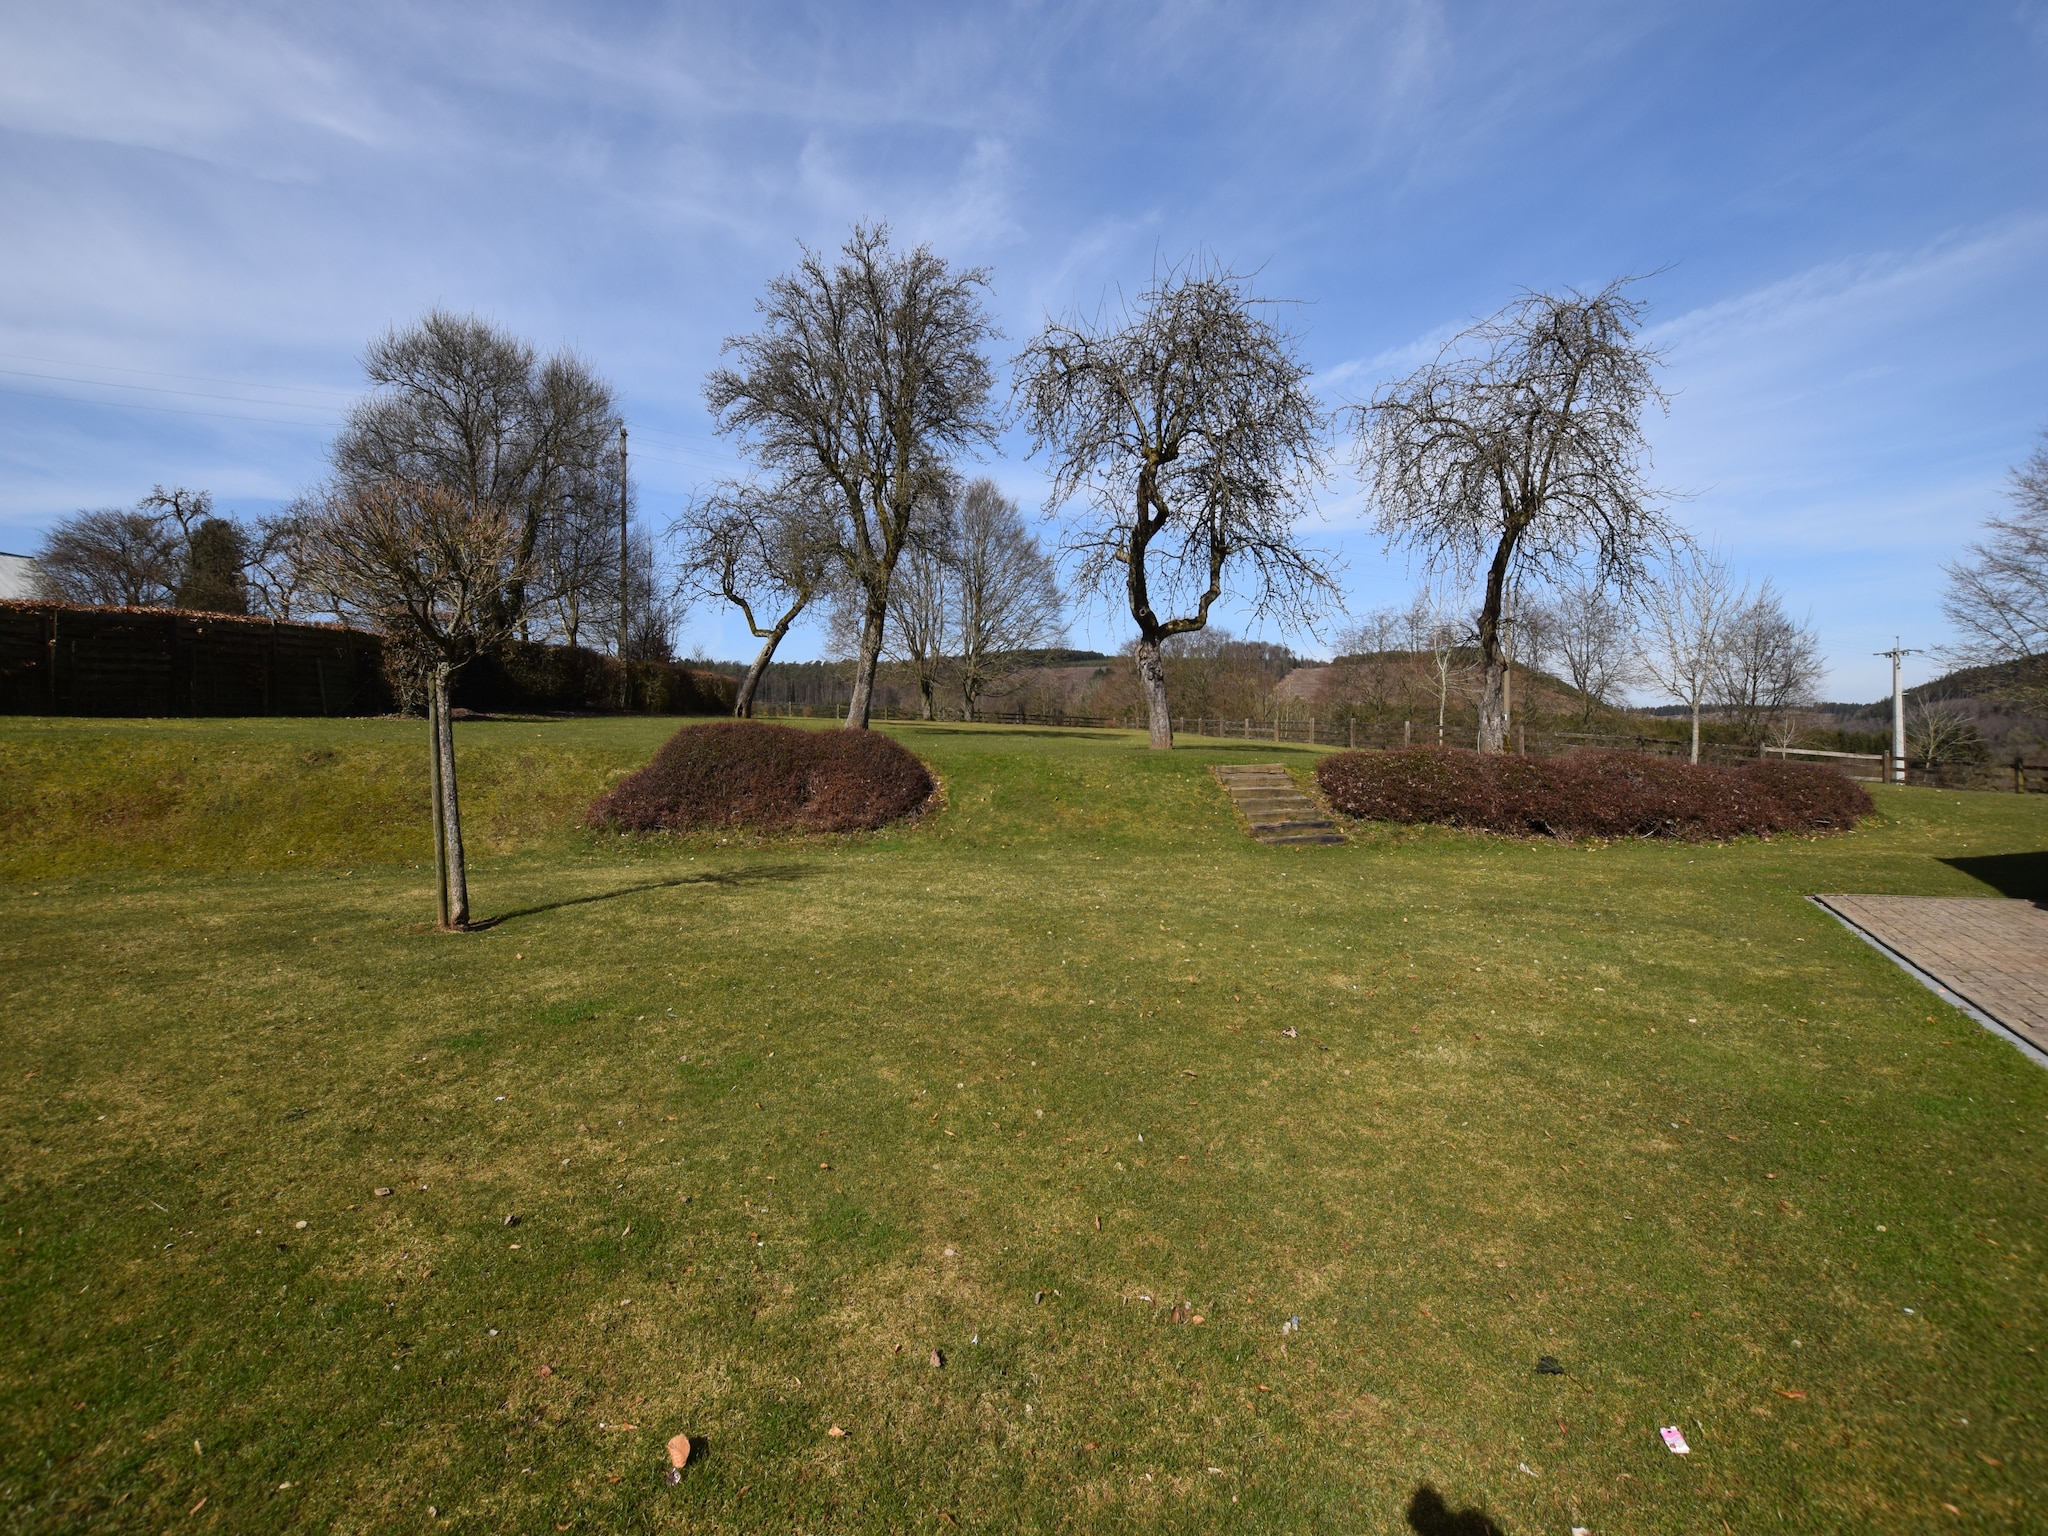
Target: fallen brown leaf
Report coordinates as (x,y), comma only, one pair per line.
(1792,1392)
(679,1452)
(836,1432)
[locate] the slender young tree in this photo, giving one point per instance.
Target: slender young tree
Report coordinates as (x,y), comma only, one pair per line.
(866,378)
(1687,610)
(1006,596)
(769,551)
(430,568)
(1518,451)
(1187,422)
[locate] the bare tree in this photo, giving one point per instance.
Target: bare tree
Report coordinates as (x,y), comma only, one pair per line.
(466,406)
(1998,596)
(920,611)
(653,607)
(1766,663)
(278,570)
(1189,424)
(1687,610)
(576,555)
(187,509)
(1520,449)
(111,558)
(1938,727)
(1436,630)
(430,567)
(769,551)
(865,379)
(1592,639)
(1006,596)
(1378,632)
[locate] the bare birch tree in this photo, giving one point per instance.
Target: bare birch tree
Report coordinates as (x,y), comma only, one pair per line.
(866,378)
(1518,451)
(1188,423)
(430,568)
(769,551)
(1687,611)
(1006,596)
(1436,630)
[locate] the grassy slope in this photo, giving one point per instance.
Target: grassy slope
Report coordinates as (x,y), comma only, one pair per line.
(1534,1106)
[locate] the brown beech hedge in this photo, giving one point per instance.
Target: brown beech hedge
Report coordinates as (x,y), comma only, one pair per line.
(1591,794)
(767,778)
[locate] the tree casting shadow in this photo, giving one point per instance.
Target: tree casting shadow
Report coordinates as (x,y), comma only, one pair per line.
(762,874)
(1428,1515)
(2023,876)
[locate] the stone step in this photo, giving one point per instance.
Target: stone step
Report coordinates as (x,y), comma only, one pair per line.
(1277,812)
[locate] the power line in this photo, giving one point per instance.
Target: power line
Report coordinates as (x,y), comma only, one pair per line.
(173,410)
(158,389)
(196,378)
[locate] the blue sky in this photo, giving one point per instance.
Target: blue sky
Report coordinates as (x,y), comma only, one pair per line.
(211,208)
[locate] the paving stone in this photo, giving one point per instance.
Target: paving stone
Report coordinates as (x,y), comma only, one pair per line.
(1989,951)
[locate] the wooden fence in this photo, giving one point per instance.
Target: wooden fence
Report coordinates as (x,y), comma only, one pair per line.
(60,660)
(56,659)
(1871,767)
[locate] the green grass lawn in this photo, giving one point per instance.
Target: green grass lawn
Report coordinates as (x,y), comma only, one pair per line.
(776,1121)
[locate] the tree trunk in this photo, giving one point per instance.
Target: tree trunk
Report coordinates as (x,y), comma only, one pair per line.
(435,805)
(451,809)
(1493,708)
(966,702)
(924,695)
(1152,679)
(743,701)
(870,656)
(1695,731)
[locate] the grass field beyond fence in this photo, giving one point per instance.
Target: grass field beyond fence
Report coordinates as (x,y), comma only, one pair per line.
(729,1137)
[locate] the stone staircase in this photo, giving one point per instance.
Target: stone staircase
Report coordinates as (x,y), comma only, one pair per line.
(1273,806)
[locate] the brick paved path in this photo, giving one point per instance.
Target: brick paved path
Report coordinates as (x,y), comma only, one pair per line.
(1990,952)
(1273,805)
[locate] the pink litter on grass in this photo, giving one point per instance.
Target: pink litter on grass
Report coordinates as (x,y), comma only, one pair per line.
(1675,1441)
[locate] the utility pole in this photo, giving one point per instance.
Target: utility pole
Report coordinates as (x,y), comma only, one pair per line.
(623,553)
(1897,766)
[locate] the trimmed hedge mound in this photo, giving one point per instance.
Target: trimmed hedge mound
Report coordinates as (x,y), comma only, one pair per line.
(769,778)
(1591,794)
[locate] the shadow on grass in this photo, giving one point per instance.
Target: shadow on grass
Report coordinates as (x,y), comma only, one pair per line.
(2020,875)
(1429,1515)
(764,874)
